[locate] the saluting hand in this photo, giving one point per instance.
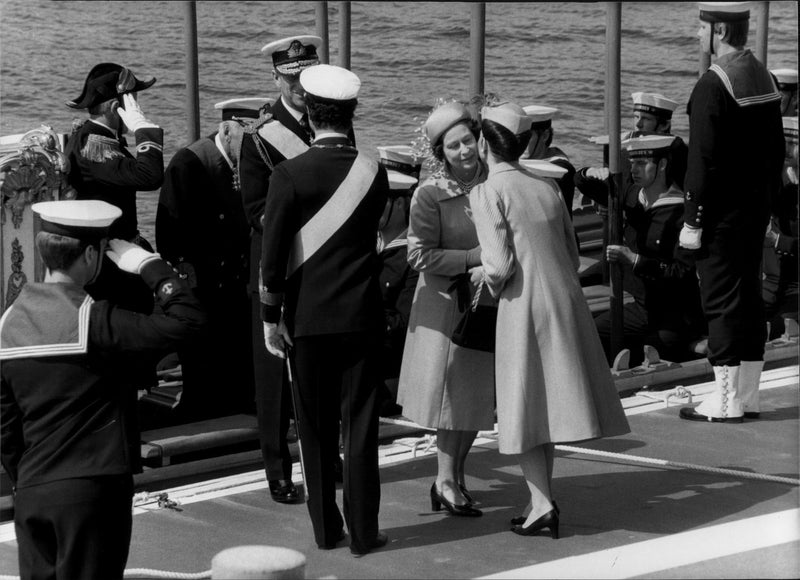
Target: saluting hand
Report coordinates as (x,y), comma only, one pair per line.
(276,337)
(132,115)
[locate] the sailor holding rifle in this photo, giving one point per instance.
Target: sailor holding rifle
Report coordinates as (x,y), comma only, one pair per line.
(319,268)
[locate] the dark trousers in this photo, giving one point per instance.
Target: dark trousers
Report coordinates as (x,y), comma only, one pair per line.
(339,371)
(74,528)
(730,291)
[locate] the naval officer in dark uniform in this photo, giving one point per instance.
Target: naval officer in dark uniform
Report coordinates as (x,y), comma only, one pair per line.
(201,229)
(69,437)
(736,151)
(283,134)
(319,268)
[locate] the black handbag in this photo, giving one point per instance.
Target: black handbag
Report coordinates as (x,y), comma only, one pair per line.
(476,329)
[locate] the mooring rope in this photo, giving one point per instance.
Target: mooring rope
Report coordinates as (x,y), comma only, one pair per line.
(150,573)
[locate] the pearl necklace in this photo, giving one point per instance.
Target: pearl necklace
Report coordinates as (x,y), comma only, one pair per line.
(466,186)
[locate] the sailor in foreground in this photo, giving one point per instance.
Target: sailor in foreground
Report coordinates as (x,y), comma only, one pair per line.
(202,231)
(70,440)
(282,134)
(736,153)
(319,268)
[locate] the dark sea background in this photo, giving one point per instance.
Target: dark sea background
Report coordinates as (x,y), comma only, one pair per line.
(407,55)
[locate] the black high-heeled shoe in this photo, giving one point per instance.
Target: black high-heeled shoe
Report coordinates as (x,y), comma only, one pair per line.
(519,520)
(467,496)
(548,520)
(438,500)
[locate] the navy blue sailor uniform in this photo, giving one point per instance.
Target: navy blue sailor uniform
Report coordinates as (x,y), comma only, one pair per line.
(734,171)
(320,267)
(201,229)
(69,432)
(101,167)
(279,137)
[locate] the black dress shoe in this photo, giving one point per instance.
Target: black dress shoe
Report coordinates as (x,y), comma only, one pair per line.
(283,491)
(751,414)
(438,501)
(690,414)
(465,492)
(519,520)
(331,545)
(548,520)
(380,541)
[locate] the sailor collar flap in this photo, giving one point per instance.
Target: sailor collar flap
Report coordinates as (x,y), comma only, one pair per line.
(673,196)
(46,320)
(736,70)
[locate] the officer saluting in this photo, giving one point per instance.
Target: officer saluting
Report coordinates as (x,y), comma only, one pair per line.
(70,440)
(281,134)
(319,268)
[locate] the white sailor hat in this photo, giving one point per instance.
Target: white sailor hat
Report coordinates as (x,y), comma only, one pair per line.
(790,129)
(400,181)
(400,158)
(443,118)
(244,107)
(509,115)
(293,54)
(724,11)
(654,103)
(543,168)
(77,218)
(327,81)
(648,146)
(787,77)
(541,116)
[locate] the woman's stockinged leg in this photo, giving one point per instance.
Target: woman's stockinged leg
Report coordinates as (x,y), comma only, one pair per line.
(534,466)
(448,447)
(466,439)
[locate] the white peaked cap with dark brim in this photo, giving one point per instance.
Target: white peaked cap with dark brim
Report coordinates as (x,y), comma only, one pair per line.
(327,81)
(293,54)
(77,218)
(647,145)
(399,158)
(724,11)
(790,129)
(654,103)
(543,168)
(540,115)
(509,115)
(400,181)
(248,107)
(786,76)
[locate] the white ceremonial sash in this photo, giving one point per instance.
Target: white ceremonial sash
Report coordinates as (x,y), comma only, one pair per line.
(336,211)
(287,143)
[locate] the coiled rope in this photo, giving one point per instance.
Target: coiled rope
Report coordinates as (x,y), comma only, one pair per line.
(149,573)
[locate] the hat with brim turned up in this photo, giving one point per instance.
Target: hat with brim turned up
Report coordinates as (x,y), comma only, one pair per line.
(84,219)
(108,81)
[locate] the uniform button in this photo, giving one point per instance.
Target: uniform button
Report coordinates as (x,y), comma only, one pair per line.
(222,216)
(387,284)
(222,263)
(699,207)
(658,241)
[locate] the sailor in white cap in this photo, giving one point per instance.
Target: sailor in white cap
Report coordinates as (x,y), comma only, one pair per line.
(281,134)
(541,147)
(201,229)
(320,297)
(668,316)
(69,442)
(736,152)
(529,265)
(787,85)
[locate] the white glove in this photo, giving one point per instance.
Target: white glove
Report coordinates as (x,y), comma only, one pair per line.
(276,337)
(690,237)
(132,115)
(600,173)
(129,257)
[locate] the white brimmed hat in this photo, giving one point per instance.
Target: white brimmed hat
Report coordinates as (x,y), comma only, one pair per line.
(293,54)
(443,118)
(541,116)
(509,115)
(77,218)
(330,82)
(543,168)
(787,77)
(400,181)
(243,108)
(399,158)
(724,11)
(790,129)
(654,103)
(647,146)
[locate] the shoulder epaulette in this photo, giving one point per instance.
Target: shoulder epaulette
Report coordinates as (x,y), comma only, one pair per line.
(99,148)
(253,126)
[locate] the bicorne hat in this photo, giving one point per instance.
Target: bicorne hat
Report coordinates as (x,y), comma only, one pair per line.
(108,81)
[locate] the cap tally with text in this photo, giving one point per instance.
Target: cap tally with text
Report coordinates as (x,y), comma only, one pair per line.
(293,54)
(399,158)
(724,11)
(654,103)
(243,108)
(647,146)
(107,81)
(541,116)
(787,78)
(77,218)
(330,82)
(443,118)
(790,129)
(509,115)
